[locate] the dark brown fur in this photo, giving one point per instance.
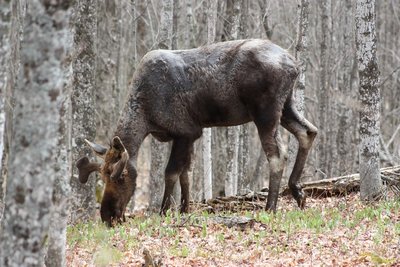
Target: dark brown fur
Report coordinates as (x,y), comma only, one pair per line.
(175,94)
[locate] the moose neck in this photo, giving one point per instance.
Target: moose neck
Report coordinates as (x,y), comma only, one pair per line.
(131,128)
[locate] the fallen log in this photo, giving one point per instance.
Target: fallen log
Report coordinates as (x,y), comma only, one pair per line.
(339,186)
(336,186)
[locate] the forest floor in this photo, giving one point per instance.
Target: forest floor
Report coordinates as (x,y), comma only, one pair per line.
(333,231)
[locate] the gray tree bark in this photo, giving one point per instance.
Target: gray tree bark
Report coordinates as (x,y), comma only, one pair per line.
(158,149)
(243,153)
(175,15)
(196,169)
(12,58)
(57,236)
(323,147)
(107,46)
(301,54)
(370,178)
(39,88)
(264,14)
(344,139)
(207,133)
(5,21)
(83,203)
(232,29)
(189,25)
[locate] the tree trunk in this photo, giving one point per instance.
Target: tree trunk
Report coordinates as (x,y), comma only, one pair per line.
(264,14)
(83,204)
(259,179)
(125,60)
(344,140)
(175,15)
(189,25)
(57,237)
(243,179)
(323,147)
(29,194)
(371,184)
(232,161)
(14,37)
(107,47)
(301,54)
(157,166)
(232,27)
(165,28)
(5,22)
(159,150)
(207,153)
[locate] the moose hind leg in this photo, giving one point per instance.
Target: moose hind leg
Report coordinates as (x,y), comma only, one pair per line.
(180,155)
(305,133)
(271,144)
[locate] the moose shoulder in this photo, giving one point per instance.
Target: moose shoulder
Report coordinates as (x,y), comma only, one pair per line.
(175,94)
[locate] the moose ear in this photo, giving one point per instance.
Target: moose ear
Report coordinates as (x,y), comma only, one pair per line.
(98,149)
(85,168)
(121,164)
(117,144)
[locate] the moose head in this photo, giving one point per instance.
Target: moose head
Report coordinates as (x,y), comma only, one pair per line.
(119,188)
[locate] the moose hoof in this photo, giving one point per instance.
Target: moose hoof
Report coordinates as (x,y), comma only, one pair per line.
(184,209)
(300,199)
(299,196)
(301,202)
(270,207)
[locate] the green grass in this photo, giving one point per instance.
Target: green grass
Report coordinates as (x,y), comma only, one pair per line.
(175,233)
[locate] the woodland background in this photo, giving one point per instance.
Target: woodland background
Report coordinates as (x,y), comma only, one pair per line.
(99,45)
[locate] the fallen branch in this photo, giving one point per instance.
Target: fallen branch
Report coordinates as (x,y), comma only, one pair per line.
(337,186)
(343,185)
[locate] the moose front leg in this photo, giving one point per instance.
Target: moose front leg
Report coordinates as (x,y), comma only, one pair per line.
(184,181)
(270,140)
(277,160)
(177,167)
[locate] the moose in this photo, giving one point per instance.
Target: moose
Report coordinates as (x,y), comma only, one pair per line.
(177,93)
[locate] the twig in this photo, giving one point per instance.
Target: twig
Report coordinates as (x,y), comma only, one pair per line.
(393,136)
(388,76)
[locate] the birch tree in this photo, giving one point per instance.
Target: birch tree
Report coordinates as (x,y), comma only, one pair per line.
(83,105)
(370,179)
(38,92)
